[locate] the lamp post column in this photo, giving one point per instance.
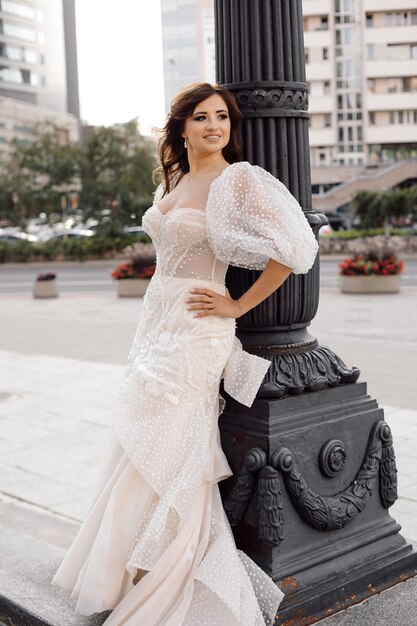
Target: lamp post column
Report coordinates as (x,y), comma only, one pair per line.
(313,448)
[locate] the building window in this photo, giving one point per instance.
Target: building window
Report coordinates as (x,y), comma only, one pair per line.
(400,18)
(370,84)
(398,51)
(306,55)
(389,19)
(325,53)
(407,84)
(340,135)
(401,117)
(370,51)
(326,86)
(413,18)
(359,132)
(371,118)
(15,8)
(413,51)
(393,85)
(327,120)
(22,129)
(415,117)
(20,32)
(391,117)
(324,22)
(369,20)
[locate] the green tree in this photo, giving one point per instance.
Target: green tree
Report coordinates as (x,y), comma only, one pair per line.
(39,172)
(376,208)
(116,171)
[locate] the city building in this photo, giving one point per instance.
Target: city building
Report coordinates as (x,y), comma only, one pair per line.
(361,65)
(188,44)
(38,68)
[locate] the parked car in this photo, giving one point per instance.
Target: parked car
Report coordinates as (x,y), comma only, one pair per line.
(72,233)
(128,230)
(11,235)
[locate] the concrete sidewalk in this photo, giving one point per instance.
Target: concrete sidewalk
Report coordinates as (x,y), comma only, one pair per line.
(62,361)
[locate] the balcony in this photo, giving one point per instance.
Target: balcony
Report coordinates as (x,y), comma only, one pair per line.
(387,68)
(318,39)
(322,137)
(391,34)
(319,71)
(316,7)
(395,133)
(391,101)
(385,5)
(321,104)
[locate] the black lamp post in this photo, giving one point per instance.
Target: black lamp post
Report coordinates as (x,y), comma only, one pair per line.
(313,459)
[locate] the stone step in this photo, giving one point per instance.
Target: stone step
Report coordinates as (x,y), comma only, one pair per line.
(33,543)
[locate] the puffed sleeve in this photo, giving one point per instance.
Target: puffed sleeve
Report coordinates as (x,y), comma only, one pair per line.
(251,217)
(152,218)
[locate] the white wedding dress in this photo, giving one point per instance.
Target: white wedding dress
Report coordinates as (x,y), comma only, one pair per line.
(157,515)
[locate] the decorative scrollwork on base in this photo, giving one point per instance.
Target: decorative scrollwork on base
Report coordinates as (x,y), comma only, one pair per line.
(331,512)
(312,370)
(270,516)
(387,469)
(236,502)
(321,512)
(332,457)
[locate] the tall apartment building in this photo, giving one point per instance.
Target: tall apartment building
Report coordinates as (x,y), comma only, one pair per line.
(188,43)
(361,61)
(361,65)
(38,67)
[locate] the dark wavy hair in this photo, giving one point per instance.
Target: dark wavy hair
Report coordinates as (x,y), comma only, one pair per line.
(172,155)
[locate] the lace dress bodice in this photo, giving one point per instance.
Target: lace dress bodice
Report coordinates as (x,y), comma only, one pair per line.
(182,246)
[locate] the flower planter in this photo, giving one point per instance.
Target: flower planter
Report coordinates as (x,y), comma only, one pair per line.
(45,289)
(370,284)
(132,287)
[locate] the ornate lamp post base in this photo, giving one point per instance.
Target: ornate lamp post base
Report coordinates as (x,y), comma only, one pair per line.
(314,477)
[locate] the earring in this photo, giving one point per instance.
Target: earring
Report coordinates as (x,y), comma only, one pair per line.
(185,142)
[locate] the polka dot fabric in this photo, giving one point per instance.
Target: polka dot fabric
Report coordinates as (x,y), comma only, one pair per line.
(251,217)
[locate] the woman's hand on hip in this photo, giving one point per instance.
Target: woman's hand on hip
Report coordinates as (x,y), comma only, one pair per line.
(203,302)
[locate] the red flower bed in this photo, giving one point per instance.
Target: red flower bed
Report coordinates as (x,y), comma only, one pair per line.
(127,270)
(46,276)
(358,266)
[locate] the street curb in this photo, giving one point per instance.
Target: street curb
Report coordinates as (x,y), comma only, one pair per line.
(19,616)
(111,262)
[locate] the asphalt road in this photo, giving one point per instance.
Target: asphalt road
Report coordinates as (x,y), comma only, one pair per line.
(95,278)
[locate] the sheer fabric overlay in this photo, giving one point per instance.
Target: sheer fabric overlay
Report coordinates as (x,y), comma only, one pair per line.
(157,516)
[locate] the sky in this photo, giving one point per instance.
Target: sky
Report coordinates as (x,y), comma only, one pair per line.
(119,47)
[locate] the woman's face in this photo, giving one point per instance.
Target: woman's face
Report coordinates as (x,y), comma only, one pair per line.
(208,129)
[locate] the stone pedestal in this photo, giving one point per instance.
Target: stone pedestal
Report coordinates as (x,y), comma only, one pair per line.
(370,284)
(314,478)
(45,289)
(132,287)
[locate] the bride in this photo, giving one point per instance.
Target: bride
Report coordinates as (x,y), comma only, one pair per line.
(156,547)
